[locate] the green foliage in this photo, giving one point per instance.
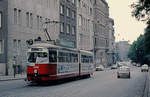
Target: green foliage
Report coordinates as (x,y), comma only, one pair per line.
(147,39)
(141,11)
(137,52)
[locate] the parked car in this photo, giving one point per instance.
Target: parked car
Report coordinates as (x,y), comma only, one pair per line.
(114,67)
(144,68)
(100,68)
(123,71)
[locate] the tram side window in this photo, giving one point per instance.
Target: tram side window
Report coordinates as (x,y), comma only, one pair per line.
(91,59)
(52,56)
(85,59)
(67,57)
(61,58)
(74,57)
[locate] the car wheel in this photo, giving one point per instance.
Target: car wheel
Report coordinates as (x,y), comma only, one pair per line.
(129,75)
(118,76)
(141,70)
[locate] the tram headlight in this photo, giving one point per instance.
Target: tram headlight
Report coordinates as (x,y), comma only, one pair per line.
(35,71)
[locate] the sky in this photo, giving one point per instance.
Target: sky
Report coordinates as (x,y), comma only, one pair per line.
(126,26)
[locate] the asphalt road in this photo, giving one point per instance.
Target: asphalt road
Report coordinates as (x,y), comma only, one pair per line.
(101,84)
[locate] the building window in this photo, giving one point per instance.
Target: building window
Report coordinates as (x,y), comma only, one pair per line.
(73,14)
(31,20)
(41,23)
(68,28)
(27,19)
(62,27)
(62,9)
(80,20)
(68,12)
(15,15)
(19,17)
(73,30)
(79,3)
(1,46)
(73,1)
(91,11)
(38,22)
(0,19)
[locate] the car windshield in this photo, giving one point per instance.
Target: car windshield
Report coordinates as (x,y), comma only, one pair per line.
(34,57)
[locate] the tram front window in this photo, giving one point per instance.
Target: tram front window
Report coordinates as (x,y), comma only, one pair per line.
(37,57)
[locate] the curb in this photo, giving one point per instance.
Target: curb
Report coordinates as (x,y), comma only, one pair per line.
(12,79)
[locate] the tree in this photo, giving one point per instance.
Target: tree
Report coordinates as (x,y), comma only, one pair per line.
(141,10)
(132,52)
(147,43)
(137,52)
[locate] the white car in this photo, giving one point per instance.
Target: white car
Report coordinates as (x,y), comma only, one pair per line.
(114,67)
(144,68)
(100,68)
(123,71)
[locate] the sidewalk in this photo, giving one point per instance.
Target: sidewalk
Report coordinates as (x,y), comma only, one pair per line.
(147,87)
(17,77)
(148,95)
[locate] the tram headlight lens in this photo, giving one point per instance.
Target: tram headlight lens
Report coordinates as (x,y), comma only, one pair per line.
(35,71)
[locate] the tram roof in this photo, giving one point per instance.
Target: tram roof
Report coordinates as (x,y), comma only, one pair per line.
(50,45)
(84,51)
(46,45)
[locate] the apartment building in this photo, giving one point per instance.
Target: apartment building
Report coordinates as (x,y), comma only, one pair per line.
(21,20)
(85,29)
(122,48)
(111,52)
(101,32)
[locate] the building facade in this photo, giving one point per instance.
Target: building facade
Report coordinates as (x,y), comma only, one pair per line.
(85,25)
(3,35)
(101,32)
(122,48)
(26,19)
(68,19)
(111,51)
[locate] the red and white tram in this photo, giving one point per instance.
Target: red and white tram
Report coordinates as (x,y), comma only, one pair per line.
(50,62)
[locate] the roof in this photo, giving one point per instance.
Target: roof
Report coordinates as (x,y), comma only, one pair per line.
(46,45)
(84,51)
(50,45)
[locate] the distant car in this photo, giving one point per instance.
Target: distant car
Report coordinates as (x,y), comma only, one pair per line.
(123,71)
(114,67)
(144,68)
(134,64)
(138,65)
(100,68)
